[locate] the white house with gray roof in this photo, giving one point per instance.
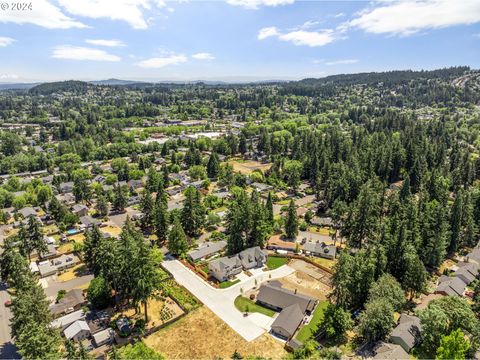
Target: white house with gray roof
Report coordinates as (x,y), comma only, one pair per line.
(207,250)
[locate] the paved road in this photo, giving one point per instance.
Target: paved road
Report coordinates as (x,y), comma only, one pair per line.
(7,349)
(220,301)
(54,285)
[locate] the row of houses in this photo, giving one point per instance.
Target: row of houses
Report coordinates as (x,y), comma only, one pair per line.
(313,248)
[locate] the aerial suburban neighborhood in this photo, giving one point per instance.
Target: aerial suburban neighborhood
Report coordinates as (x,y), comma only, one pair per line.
(295,204)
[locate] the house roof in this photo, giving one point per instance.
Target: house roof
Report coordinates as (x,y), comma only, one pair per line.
(87,220)
(408,329)
(207,249)
(289,319)
(103,335)
(390,351)
(71,299)
(320,248)
(283,298)
(79,207)
(75,328)
(251,255)
(226,263)
(452,286)
(27,211)
(68,319)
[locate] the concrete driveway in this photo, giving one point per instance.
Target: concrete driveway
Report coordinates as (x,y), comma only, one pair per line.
(221,301)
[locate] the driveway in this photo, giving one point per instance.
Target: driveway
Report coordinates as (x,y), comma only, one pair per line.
(7,349)
(221,301)
(53,286)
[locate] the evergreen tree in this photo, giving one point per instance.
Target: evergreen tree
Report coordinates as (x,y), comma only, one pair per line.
(147,208)
(213,166)
(291,222)
(102,206)
(177,241)
(161,223)
(93,238)
(120,199)
(269,208)
(193,212)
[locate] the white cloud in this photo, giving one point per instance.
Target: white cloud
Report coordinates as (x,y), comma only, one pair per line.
(82,53)
(341,62)
(300,37)
(8,76)
(130,11)
(267,32)
(410,16)
(309,24)
(203,56)
(5,41)
(107,43)
(159,62)
(43,14)
(255,4)
(309,38)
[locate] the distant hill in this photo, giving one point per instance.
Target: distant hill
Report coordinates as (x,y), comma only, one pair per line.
(18,86)
(113,82)
(387,77)
(60,86)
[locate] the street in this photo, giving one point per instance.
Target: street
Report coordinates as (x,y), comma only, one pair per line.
(7,349)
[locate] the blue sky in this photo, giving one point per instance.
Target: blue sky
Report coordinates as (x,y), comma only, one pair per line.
(233,39)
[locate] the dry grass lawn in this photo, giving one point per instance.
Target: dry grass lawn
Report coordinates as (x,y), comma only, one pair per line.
(112,230)
(72,273)
(202,335)
(155,309)
(248,166)
(79,238)
(65,248)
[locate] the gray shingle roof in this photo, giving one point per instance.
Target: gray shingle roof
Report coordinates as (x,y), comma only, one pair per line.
(289,319)
(282,298)
(408,330)
(207,249)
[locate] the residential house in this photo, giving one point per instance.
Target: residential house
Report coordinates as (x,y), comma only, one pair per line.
(260,187)
(407,332)
(288,321)
(66,187)
(88,221)
(51,252)
(80,210)
(206,250)
(276,243)
(389,351)
(66,320)
(320,249)
(73,300)
(26,212)
(277,298)
(226,267)
(450,286)
(253,257)
(77,331)
(467,272)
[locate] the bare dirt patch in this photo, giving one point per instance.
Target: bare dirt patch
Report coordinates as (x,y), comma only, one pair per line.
(248,166)
(202,335)
(308,279)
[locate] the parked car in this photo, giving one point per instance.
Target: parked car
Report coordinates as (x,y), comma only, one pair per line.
(8,303)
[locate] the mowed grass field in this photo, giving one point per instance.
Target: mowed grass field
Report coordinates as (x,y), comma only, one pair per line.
(203,335)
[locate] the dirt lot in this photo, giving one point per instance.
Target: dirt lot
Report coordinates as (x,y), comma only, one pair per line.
(308,279)
(202,335)
(248,166)
(159,311)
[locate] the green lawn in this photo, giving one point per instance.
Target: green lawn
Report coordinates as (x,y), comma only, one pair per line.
(308,330)
(275,262)
(241,304)
(226,284)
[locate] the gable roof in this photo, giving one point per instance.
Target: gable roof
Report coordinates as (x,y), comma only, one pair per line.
(452,286)
(282,298)
(289,319)
(390,351)
(68,319)
(75,328)
(408,329)
(207,249)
